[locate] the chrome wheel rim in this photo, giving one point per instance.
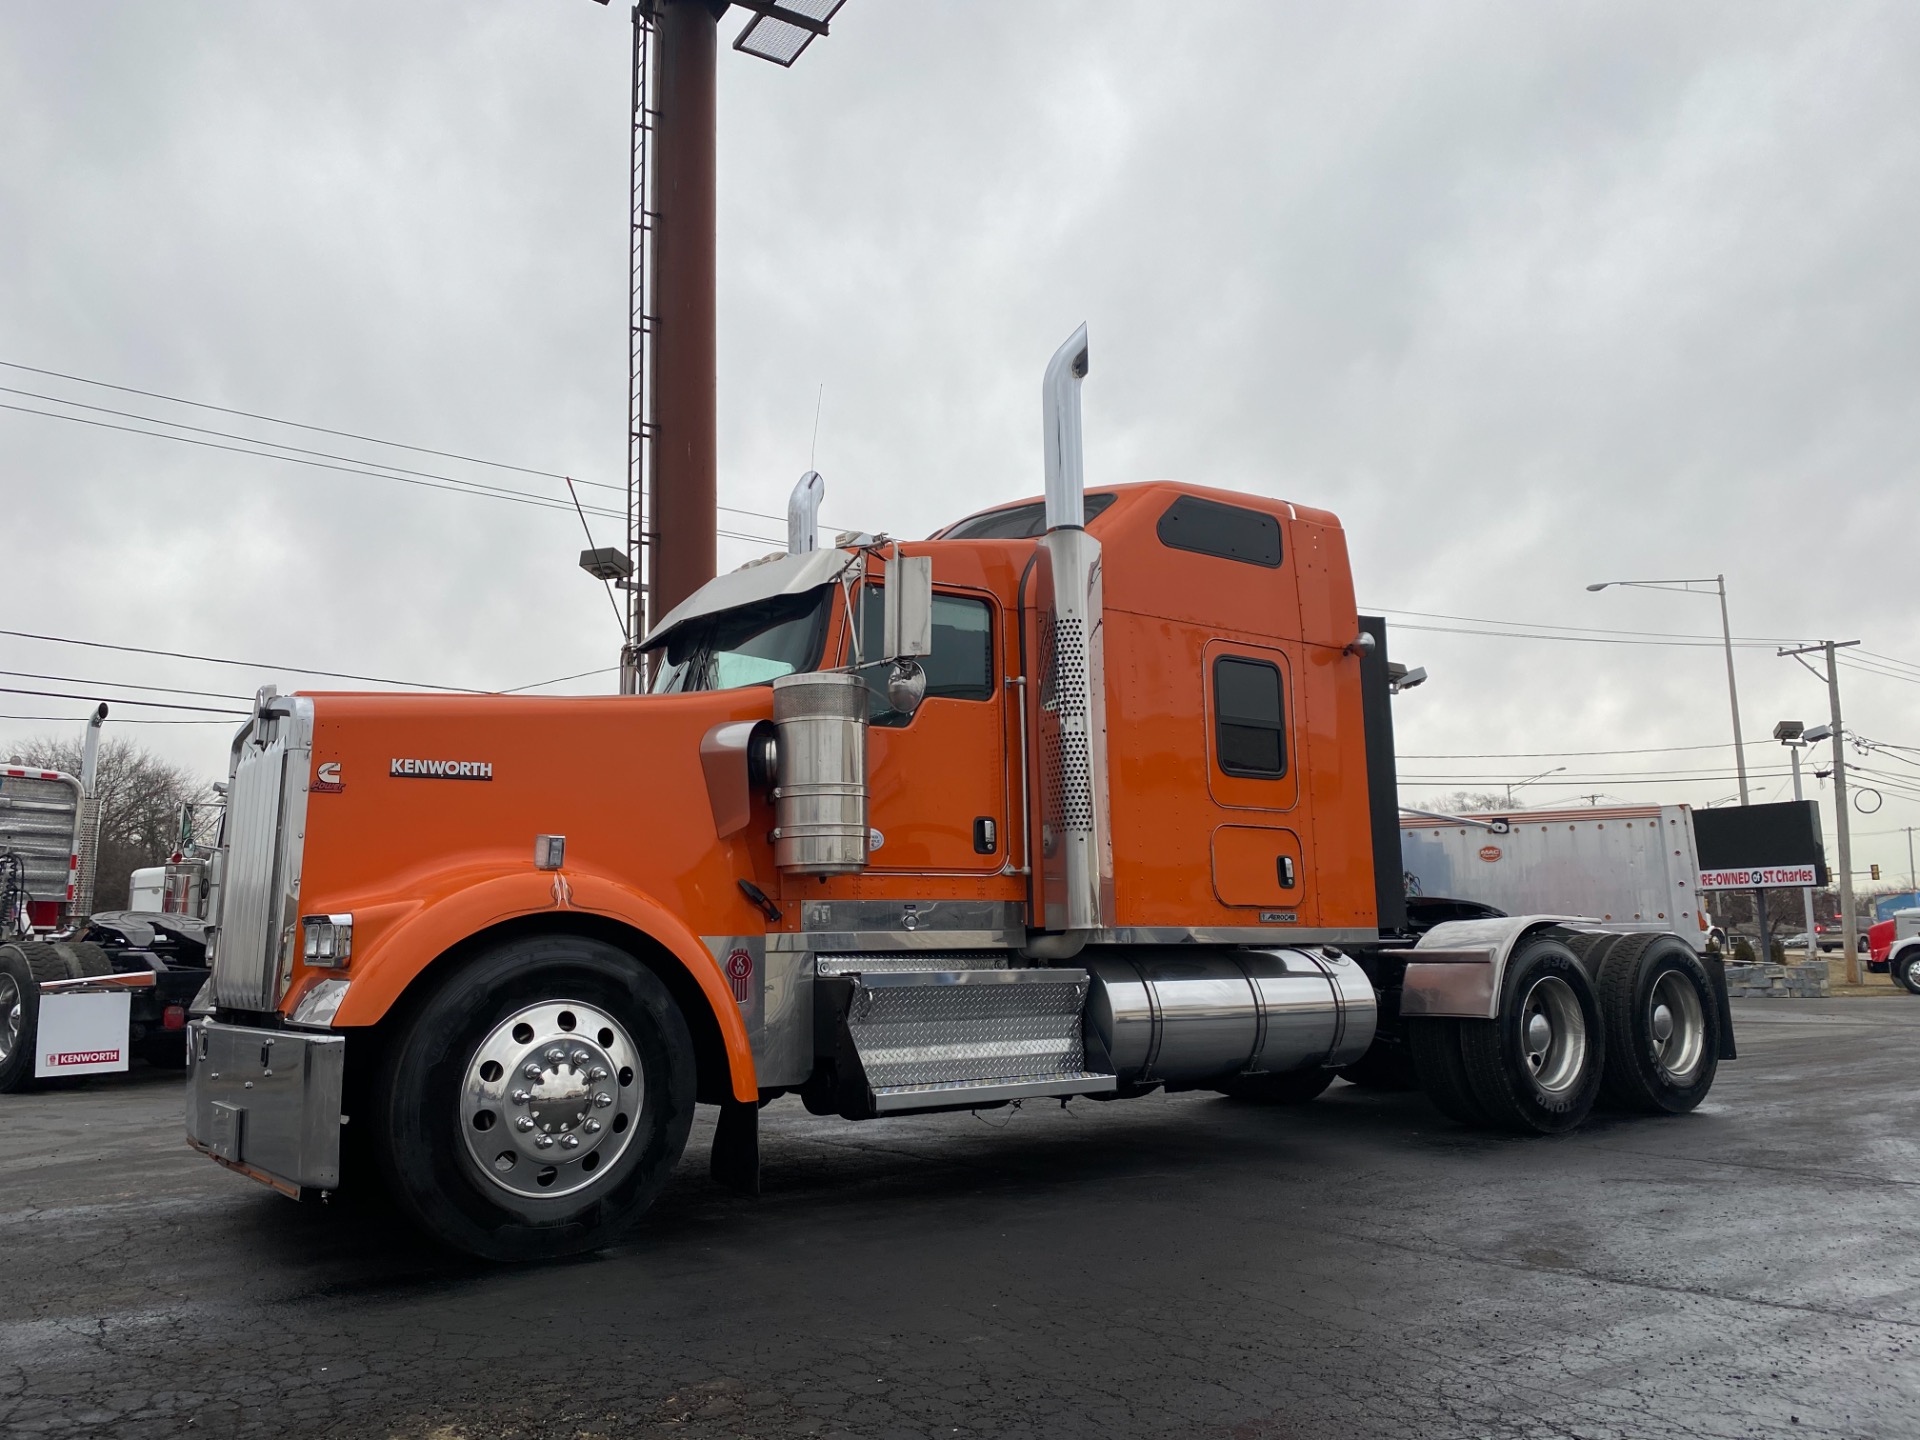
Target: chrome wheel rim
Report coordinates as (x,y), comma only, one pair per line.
(1553,1035)
(549,1100)
(1676,1027)
(12,1017)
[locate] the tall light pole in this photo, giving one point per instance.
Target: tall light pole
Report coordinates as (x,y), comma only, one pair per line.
(1686,587)
(1843,831)
(1795,736)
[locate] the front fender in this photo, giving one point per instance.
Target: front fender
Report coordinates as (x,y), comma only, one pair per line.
(400,953)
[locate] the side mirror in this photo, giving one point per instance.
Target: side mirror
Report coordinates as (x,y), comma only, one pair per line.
(907,610)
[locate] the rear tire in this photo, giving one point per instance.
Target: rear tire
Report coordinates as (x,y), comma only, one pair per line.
(23,965)
(557,1042)
(1536,1070)
(1293,1089)
(1662,1026)
(1437,1060)
(1906,972)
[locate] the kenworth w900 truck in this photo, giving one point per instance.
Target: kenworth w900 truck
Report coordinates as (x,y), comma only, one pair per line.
(1085,796)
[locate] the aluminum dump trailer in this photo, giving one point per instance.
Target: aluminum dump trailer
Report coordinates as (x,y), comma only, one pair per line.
(1631,867)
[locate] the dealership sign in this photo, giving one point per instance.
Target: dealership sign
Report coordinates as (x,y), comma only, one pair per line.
(1760,847)
(1762,877)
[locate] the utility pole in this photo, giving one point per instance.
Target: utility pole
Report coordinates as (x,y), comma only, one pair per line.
(1849,924)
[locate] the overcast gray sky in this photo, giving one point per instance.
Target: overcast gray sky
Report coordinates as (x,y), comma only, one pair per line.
(1529,295)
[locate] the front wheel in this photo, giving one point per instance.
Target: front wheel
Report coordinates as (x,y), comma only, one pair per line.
(1906,972)
(537,1102)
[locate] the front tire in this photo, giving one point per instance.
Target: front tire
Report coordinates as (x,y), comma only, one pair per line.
(1663,1027)
(1906,972)
(1537,1068)
(537,1102)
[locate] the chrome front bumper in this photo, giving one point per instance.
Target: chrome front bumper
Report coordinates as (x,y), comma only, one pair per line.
(267,1103)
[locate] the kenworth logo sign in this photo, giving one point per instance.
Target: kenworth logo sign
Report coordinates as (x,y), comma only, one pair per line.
(442,769)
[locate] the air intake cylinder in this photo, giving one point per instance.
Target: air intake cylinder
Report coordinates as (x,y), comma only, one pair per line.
(820,793)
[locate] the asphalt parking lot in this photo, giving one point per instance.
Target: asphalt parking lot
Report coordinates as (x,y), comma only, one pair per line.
(1181,1265)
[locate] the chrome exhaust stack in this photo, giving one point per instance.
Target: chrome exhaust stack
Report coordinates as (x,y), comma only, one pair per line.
(803,513)
(1074,859)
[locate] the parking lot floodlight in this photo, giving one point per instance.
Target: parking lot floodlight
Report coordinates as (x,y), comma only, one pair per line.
(1788,731)
(607,563)
(781,29)
(1817,734)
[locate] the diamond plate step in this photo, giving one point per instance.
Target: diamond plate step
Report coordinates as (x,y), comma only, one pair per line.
(933,1038)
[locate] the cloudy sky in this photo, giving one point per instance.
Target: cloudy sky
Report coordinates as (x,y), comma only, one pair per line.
(1530,295)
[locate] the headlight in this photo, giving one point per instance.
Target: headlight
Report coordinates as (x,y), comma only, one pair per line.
(328,940)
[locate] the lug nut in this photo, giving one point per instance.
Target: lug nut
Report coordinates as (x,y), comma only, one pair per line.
(597,1074)
(555,1054)
(580,1057)
(543,1142)
(603,1099)
(523,1124)
(520,1097)
(532,1070)
(569,1142)
(592,1127)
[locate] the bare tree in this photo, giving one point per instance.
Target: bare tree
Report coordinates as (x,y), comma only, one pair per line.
(140,800)
(1468,802)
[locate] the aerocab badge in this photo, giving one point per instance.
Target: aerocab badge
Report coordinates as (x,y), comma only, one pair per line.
(441,769)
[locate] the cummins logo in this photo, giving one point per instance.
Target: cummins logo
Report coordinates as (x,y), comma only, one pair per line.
(442,769)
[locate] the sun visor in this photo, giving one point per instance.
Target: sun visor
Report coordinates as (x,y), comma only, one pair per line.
(783,575)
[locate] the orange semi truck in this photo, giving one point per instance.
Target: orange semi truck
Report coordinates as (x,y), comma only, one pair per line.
(1090,795)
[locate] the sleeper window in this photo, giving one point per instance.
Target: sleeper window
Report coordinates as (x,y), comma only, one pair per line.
(1250,736)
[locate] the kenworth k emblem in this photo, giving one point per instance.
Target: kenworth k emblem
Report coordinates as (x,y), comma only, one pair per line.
(442,769)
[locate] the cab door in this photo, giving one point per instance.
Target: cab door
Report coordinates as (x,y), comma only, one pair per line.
(938,779)
(1259,860)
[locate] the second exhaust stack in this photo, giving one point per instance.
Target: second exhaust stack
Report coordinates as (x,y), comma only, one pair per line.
(1075,854)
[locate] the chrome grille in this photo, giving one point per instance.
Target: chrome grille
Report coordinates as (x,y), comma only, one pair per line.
(39,819)
(259,892)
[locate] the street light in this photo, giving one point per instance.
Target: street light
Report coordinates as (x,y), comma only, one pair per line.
(1685,587)
(1796,737)
(1513,785)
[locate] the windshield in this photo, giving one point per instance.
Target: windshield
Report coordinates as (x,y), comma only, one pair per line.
(750,645)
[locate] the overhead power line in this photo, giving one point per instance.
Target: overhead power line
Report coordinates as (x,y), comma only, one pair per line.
(316,429)
(1577,629)
(124,685)
(1578,754)
(117,720)
(242,664)
(149,704)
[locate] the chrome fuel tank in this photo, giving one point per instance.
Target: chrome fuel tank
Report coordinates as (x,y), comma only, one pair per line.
(1178,1015)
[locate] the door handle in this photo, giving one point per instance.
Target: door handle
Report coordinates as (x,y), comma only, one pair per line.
(1285,867)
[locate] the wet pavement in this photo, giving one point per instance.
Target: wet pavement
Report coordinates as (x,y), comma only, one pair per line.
(1180,1265)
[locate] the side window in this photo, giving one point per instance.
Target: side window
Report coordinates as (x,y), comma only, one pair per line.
(1231,532)
(1249,718)
(961,665)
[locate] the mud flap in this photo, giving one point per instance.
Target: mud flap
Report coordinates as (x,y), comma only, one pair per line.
(736,1147)
(1717,973)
